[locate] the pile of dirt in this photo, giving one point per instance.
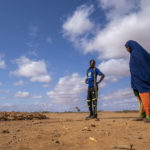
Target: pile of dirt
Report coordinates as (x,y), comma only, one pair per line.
(7,116)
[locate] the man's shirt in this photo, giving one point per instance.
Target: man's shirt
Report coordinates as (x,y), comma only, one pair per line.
(90,76)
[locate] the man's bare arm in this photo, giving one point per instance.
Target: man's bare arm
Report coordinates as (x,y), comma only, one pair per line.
(86,80)
(101,78)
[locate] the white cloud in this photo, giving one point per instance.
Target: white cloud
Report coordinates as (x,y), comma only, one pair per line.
(108,79)
(41,78)
(71,91)
(30,44)
(36,71)
(115,8)
(33,30)
(25,94)
(1,83)
(33,53)
(19,83)
(49,40)
(2,62)
(128,20)
(37,97)
(68,90)
(120,105)
(122,99)
(4,91)
(109,42)
(117,67)
(21,94)
(37,107)
(4,98)
(46,85)
(78,23)
(120,94)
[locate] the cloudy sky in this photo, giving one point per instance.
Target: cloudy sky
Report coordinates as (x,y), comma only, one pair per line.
(45,48)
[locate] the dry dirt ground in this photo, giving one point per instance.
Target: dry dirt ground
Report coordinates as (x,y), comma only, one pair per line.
(70,131)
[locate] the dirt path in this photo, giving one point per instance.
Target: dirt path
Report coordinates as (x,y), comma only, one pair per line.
(70,131)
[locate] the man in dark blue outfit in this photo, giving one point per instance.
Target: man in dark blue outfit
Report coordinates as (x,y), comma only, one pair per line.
(92,95)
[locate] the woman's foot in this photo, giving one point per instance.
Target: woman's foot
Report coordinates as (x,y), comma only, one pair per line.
(147,120)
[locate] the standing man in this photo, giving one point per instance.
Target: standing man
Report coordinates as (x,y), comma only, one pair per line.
(92,94)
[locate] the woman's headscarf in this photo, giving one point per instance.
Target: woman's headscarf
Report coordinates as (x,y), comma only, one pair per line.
(139,67)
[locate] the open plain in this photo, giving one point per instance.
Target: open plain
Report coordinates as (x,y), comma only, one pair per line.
(70,131)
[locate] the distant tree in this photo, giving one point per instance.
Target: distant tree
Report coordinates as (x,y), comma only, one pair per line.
(77,108)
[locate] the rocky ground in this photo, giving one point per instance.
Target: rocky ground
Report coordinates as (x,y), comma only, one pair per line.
(70,131)
(9,116)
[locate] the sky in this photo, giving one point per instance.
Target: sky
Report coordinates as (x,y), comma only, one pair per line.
(46,46)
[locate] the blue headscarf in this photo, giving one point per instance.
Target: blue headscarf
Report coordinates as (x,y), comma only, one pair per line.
(139,67)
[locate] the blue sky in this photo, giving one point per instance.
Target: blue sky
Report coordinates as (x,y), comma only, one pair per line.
(45,48)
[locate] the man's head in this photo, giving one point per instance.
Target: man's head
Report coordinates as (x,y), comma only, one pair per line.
(92,63)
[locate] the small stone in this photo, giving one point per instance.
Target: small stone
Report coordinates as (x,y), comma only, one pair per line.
(93,125)
(97,119)
(6,131)
(127,147)
(107,133)
(139,137)
(57,142)
(86,129)
(9,142)
(57,135)
(92,139)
